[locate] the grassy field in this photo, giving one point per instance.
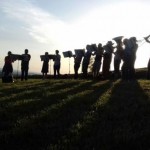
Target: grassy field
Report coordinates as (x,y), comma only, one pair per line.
(70,114)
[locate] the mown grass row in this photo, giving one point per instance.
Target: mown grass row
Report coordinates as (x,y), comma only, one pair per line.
(75,114)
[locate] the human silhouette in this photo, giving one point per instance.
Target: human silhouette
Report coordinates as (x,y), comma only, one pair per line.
(57,63)
(25,65)
(45,65)
(97,61)
(86,60)
(7,70)
(118,56)
(108,50)
(77,62)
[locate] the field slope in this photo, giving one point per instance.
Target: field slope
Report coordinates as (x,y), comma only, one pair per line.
(70,114)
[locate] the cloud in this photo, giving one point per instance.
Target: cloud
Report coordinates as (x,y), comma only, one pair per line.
(96,25)
(41,25)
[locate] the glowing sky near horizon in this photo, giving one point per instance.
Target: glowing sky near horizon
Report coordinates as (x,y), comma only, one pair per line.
(42,25)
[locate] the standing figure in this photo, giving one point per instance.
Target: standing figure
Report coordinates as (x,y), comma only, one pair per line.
(107,59)
(25,65)
(97,61)
(86,60)
(126,66)
(7,69)
(134,47)
(129,57)
(118,56)
(45,65)
(77,62)
(57,64)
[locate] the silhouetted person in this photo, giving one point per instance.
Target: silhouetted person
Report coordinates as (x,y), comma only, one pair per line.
(129,57)
(107,59)
(97,62)
(118,56)
(134,47)
(77,62)
(57,64)
(7,70)
(25,65)
(126,60)
(86,60)
(45,65)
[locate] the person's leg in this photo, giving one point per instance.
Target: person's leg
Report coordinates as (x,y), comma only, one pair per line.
(75,71)
(42,75)
(22,75)
(26,74)
(58,70)
(54,71)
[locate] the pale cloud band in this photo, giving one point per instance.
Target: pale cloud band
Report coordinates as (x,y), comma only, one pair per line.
(101,23)
(41,25)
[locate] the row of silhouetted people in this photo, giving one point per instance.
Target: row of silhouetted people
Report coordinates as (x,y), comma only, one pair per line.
(125,51)
(7,70)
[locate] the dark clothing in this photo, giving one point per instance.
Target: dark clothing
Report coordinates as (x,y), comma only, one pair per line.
(126,66)
(85,63)
(56,70)
(57,65)
(76,68)
(7,70)
(45,67)
(25,66)
(106,65)
(117,61)
(97,65)
(45,64)
(77,62)
(8,65)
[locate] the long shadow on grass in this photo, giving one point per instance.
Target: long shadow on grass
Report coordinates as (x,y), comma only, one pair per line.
(14,94)
(122,122)
(32,103)
(55,122)
(21,87)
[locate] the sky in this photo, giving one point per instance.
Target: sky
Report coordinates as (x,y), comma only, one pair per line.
(47,25)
